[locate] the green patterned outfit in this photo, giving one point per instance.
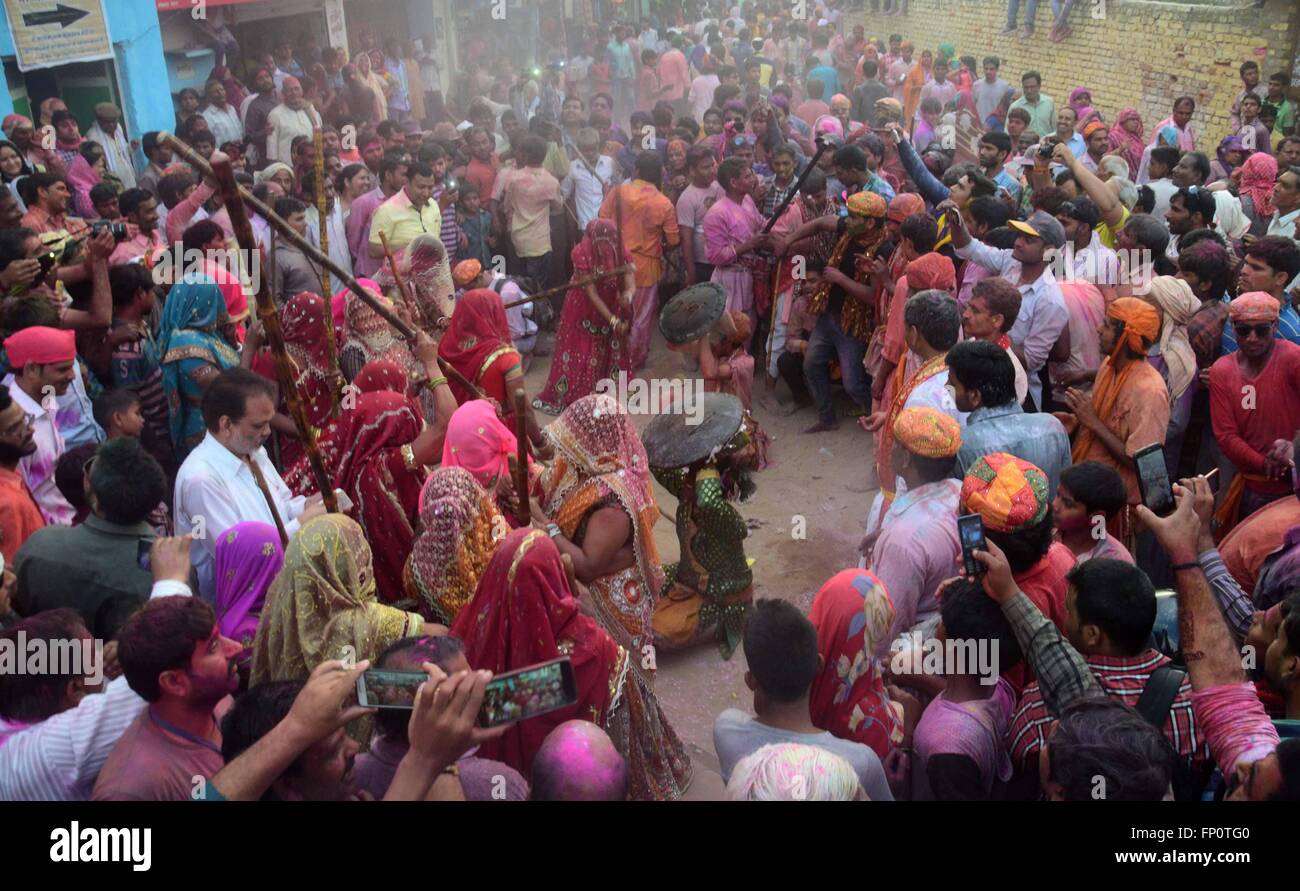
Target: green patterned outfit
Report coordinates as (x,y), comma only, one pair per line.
(710,589)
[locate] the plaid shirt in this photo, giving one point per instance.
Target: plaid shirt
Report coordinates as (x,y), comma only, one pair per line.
(775,195)
(1205,332)
(1121,678)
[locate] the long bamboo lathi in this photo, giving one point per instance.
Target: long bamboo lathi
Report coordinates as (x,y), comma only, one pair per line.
(224,174)
(322,205)
(523,513)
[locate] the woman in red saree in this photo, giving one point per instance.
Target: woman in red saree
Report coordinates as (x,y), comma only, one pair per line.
(525,611)
(600,480)
(303,321)
(477,344)
(382,375)
(367,337)
(587,348)
(852,614)
(376,453)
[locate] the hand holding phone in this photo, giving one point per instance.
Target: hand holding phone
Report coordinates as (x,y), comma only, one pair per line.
(970,531)
(1153,480)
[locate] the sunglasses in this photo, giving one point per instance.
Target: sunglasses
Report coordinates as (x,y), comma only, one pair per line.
(1260,330)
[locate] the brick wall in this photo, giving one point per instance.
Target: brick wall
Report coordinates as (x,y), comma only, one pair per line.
(1140,53)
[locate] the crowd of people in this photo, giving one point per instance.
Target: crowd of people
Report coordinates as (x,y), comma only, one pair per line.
(1017,300)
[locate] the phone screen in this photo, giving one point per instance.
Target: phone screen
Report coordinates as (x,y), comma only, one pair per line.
(528,692)
(143,549)
(1153,480)
(389,689)
(970,529)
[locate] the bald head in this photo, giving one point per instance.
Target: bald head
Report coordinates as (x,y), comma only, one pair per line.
(578,762)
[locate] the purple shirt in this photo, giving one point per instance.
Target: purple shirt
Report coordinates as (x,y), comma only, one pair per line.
(917,549)
(374,771)
(358,230)
(976,730)
(726,225)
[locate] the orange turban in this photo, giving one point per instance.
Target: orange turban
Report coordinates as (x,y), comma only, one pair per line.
(41,345)
(1007,492)
(867,204)
(1141,322)
(904,205)
(929,271)
(465,272)
(927,432)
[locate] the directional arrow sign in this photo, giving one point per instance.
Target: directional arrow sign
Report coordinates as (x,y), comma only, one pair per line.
(56,32)
(61,15)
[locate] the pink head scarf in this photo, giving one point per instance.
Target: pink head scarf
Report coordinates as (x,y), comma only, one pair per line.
(477,441)
(1258,173)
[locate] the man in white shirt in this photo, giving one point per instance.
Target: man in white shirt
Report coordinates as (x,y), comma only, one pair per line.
(56,731)
(228,478)
(1286,216)
(1043,314)
(222,117)
(591,175)
(1083,257)
(1159,167)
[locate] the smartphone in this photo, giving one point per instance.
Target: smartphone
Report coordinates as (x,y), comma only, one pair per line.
(143,549)
(389,689)
(48,260)
(1153,480)
(970,530)
(528,692)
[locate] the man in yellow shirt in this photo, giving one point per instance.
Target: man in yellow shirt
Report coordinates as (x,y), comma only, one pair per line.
(410,212)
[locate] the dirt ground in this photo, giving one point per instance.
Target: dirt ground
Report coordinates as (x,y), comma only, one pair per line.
(810,477)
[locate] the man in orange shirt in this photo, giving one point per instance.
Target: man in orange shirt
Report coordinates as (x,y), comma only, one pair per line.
(1128,408)
(647,220)
(19,515)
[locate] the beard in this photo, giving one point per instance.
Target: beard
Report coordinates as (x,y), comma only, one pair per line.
(12,454)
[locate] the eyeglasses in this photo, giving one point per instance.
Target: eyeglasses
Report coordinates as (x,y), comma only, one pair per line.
(1260,330)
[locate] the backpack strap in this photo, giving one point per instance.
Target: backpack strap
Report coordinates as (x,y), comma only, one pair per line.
(1159,693)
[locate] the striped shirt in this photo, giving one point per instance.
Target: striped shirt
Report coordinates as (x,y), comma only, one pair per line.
(59,758)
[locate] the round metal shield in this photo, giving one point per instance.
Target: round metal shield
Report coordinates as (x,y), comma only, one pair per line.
(677,440)
(692,313)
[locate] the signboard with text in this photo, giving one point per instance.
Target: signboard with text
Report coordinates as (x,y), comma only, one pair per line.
(55,32)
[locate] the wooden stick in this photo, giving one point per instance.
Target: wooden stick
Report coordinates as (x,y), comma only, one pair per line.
(523,513)
(575,283)
(322,202)
(224,174)
(312,253)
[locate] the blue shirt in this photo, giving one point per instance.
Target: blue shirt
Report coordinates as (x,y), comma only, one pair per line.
(621,66)
(1038,438)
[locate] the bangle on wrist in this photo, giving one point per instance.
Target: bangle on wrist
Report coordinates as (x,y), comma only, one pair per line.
(435,383)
